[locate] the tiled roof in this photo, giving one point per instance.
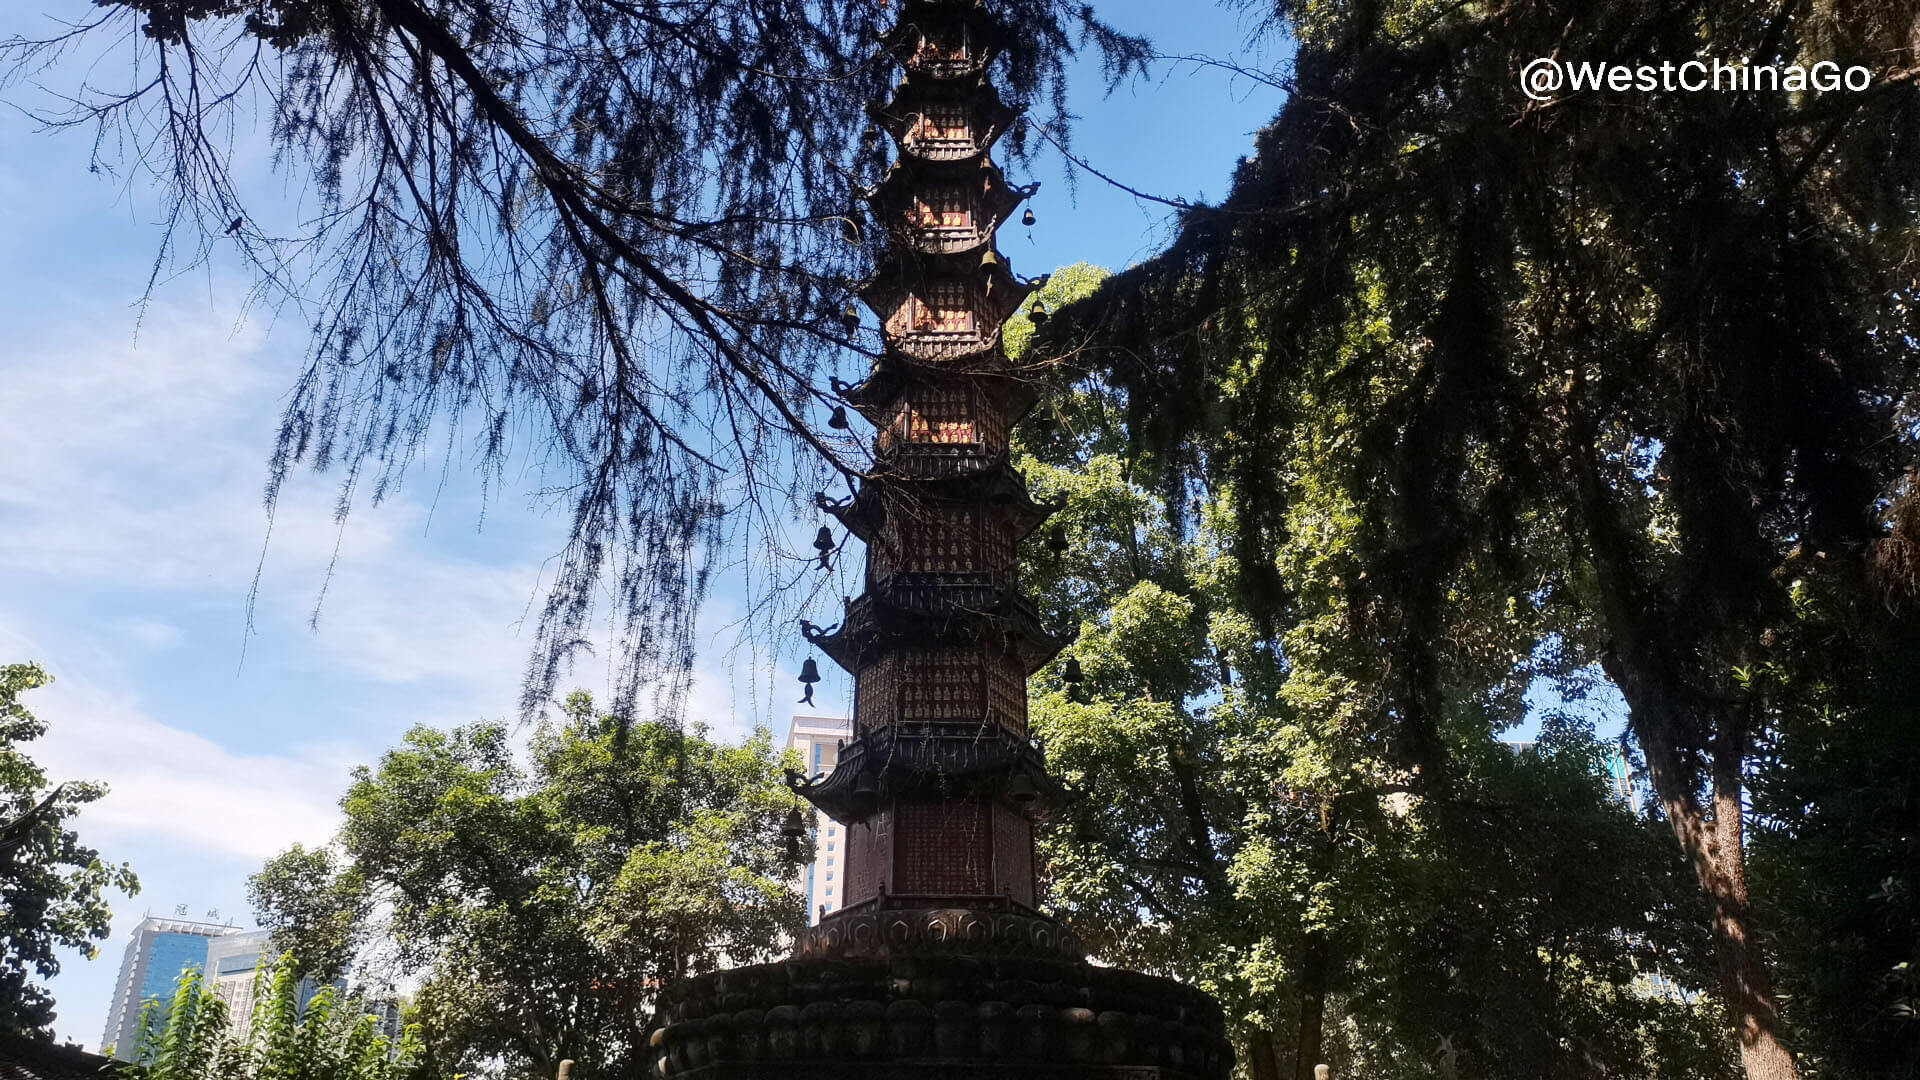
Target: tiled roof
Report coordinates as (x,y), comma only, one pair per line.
(31,1059)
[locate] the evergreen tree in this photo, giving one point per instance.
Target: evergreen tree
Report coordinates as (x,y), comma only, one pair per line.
(621,233)
(1228,834)
(1630,374)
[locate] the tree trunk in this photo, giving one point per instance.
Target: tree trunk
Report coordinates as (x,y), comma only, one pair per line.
(1668,713)
(1714,843)
(1313,1006)
(1260,1057)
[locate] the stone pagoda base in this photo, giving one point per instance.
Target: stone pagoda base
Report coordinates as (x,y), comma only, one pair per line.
(936,994)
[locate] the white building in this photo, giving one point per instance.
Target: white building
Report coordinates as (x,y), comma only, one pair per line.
(818,738)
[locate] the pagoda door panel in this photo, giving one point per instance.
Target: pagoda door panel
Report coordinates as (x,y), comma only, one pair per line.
(943,849)
(1013,853)
(869,853)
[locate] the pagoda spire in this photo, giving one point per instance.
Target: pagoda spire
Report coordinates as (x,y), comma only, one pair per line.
(938,964)
(939,786)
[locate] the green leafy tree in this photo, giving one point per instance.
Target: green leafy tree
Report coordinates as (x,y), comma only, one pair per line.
(191,1036)
(538,907)
(1237,828)
(52,887)
(1622,372)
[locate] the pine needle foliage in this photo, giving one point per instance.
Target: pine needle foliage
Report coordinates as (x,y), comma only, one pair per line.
(609,237)
(1495,390)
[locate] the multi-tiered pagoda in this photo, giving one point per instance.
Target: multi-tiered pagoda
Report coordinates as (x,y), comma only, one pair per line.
(938,962)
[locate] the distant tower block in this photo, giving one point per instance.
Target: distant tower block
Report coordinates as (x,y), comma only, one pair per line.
(937,962)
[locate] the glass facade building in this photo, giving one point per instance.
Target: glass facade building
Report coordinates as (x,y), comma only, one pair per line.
(159,953)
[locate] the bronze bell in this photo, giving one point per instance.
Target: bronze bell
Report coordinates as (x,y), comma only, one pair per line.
(838,421)
(823,543)
(989,261)
(850,320)
(1057,540)
(793,826)
(864,788)
(1071,674)
(1021,790)
(1027,218)
(809,674)
(1039,316)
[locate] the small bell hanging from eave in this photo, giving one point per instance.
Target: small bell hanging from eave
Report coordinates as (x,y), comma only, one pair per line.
(1038,316)
(1071,674)
(838,421)
(1027,218)
(809,674)
(823,543)
(1057,540)
(1021,790)
(850,320)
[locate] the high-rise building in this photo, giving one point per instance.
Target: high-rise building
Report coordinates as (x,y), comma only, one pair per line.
(161,949)
(233,969)
(819,740)
(230,961)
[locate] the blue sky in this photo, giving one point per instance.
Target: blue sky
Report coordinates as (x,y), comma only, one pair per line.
(132,460)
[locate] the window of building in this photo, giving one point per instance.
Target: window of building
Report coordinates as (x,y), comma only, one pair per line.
(946,309)
(944,121)
(931,50)
(943,208)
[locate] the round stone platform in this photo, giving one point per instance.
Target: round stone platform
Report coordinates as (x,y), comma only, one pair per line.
(953,995)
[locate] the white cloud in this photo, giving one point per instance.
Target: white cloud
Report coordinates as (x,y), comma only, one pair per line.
(168,785)
(154,635)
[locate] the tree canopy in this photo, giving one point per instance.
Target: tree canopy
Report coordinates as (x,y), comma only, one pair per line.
(613,236)
(52,887)
(1493,390)
(193,1036)
(538,907)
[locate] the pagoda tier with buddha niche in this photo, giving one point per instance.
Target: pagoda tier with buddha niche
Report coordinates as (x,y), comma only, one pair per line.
(937,963)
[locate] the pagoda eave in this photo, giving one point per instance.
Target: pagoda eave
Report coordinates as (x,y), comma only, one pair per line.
(977,757)
(992,481)
(987,367)
(897,614)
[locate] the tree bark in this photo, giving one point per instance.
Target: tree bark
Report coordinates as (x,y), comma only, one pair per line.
(1313,1006)
(1261,1061)
(1670,716)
